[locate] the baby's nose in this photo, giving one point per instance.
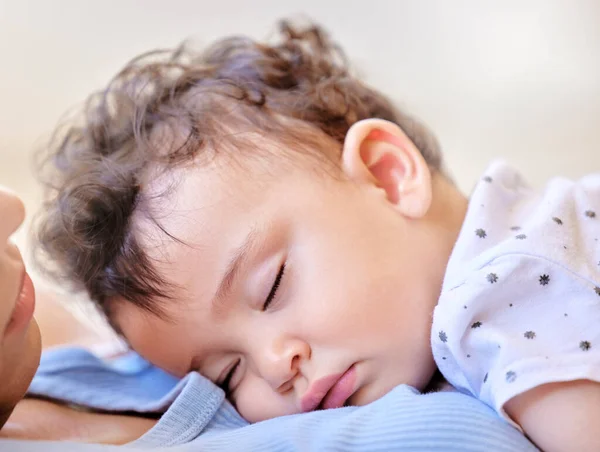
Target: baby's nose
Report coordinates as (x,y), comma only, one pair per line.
(281,363)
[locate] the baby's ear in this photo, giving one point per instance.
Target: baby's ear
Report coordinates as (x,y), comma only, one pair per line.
(379,153)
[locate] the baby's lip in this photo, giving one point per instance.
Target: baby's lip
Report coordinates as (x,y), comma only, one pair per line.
(330,391)
(341,391)
(317,391)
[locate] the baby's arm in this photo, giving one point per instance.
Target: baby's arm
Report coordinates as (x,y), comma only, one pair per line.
(560,416)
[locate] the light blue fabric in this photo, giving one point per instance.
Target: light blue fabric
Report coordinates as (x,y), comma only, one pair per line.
(198,418)
(126,383)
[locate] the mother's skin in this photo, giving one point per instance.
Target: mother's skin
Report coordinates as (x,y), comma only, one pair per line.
(20,349)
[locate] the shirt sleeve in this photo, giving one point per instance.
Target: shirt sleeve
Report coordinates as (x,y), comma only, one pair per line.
(516,323)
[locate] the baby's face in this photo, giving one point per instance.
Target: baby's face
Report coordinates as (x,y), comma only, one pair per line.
(297,291)
(19,335)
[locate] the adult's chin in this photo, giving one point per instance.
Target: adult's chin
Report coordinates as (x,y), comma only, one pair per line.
(18,369)
(5,414)
(31,361)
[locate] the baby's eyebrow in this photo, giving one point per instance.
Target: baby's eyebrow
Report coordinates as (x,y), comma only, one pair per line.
(253,240)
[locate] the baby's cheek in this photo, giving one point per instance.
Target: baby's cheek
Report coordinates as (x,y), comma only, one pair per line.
(256,401)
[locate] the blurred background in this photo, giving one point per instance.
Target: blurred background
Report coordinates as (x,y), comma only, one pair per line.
(506,78)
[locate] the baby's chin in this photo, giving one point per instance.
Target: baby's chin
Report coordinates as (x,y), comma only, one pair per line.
(380,388)
(371,393)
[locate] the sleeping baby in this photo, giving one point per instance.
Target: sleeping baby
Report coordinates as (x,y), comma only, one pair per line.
(255,213)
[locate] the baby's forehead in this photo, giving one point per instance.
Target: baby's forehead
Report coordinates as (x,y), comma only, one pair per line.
(191,217)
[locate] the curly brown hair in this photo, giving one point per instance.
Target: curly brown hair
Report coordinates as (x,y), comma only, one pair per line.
(167,108)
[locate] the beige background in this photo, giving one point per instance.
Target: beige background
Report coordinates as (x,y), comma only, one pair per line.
(519,79)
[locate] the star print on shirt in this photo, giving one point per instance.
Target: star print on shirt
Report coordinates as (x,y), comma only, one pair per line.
(557,220)
(529,334)
(443,337)
(487,179)
(480,233)
(544,280)
(585,345)
(521,237)
(597,290)
(476,325)
(492,278)
(511,376)
(590,214)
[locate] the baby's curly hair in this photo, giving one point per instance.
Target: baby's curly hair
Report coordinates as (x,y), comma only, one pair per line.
(169,108)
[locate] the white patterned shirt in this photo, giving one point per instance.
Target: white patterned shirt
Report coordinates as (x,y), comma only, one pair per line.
(520,303)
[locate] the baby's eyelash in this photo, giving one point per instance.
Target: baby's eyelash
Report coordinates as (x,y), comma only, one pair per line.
(276,285)
(226,383)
